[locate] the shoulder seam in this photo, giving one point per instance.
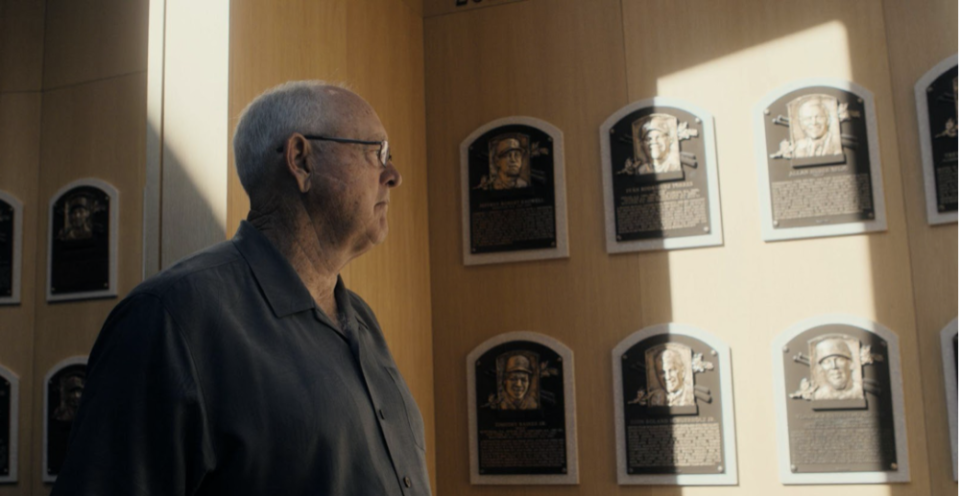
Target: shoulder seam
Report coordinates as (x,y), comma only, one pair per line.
(165,287)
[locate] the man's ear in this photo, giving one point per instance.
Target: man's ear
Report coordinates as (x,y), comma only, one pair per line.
(295,157)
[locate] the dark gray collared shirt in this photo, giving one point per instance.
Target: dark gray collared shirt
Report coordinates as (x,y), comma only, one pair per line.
(221,376)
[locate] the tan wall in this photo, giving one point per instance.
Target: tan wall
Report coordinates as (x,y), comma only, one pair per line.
(376,46)
(919,36)
(21,50)
(573,63)
(72,105)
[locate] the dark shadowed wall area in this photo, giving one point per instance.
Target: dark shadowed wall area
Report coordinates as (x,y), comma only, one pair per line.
(73,84)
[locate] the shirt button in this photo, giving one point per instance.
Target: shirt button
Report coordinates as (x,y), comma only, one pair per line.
(381,414)
(406,481)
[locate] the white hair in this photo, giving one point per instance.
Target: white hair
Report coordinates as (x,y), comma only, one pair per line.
(295,106)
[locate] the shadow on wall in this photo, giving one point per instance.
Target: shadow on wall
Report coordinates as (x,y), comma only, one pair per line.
(186,219)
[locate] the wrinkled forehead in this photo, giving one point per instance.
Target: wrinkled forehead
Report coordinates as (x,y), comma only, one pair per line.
(352,116)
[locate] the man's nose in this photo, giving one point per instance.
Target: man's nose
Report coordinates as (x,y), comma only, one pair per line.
(391,175)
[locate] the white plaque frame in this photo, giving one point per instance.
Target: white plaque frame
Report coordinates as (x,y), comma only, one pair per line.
(570,410)
(767,229)
(74,360)
(114,195)
(902,472)
(14,424)
(562,250)
(947,336)
(17,205)
(715,236)
(729,475)
(926,151)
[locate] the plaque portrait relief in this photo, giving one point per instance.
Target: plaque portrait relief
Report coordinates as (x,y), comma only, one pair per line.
(660,177)
(948,350)
(671,383)
(64,388)
(818,161)
(674,408)
(83,241)
(509,156)
(521,411)
(513,192)
(9,427)
(11,243)
(518,382)
(656,148)
(936,98)
(840,403)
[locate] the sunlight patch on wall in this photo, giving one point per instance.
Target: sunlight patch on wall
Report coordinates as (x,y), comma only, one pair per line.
(729,87)
(195,119)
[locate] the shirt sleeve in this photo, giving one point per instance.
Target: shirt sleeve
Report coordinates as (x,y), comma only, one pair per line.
(141,428)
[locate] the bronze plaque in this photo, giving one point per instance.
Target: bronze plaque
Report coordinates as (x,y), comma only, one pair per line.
(936,97)
(64,389)
(818,160)
(7,234)
(658,158)
(840,413)
(514,199)
(522,425)
(512,203)
(6,426)
(673,410)
(80,243)
(673,405)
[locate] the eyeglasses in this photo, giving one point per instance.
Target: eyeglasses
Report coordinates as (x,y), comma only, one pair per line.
(383,154)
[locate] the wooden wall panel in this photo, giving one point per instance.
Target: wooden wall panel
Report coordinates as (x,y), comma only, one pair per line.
(21,45)
(91,40)
(19,165)
(377,48)
(441,7)
(88,130)
(920,35)
(725,57)
(560,61)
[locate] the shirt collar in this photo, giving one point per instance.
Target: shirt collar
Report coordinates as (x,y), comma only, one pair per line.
(281,285)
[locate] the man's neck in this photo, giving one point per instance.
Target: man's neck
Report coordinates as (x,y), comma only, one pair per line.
(315,258)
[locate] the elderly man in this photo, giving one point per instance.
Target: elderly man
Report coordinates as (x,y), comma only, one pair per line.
(248,368)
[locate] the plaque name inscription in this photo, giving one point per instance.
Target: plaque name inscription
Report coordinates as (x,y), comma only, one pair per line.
(522,428)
